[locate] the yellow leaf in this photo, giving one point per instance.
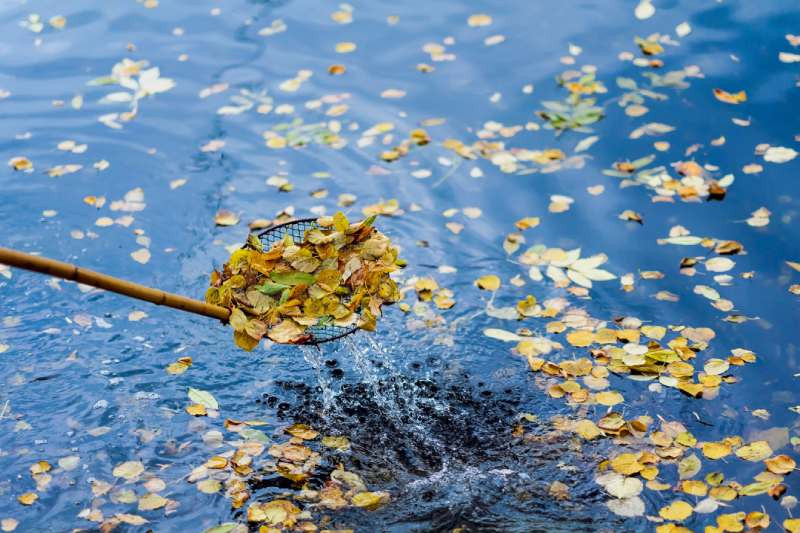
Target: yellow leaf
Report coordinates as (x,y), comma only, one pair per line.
(20,163)
(723,493)
(757,520)
(792,525)
(132,519)
(226,218)
(731,522)
(715,450)
(479,19)
(678,511)
(587,429)
(626,464)
(209,486)
(755,451)
(216,462)
(197,409)
(152,501)
(609,398)
(302,431)
(340,222)
(345,48)
(128,469)
(340,443)
(40,467)
(490,282)
(694,487)
(180,366)
(730,98)
(580,338)
(654,332)
(780,464)
(342,17)
(370,500)
(527,222)
(28,498)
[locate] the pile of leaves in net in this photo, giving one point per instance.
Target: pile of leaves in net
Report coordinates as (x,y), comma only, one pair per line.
(337,276)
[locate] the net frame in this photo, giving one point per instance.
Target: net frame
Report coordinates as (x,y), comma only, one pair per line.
(297,230)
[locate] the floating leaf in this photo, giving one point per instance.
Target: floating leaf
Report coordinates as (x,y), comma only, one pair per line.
(28,498)
(128,469)
(203,398)
(678,511)
(628,507)
(755,451)
(490,282)
(780,464)
(226,218)
(370,500)
(152,501)
(501,335)
(730,98)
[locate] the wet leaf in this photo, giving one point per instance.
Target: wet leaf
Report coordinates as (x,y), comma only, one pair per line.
(715,450)
(203,398)
(489,282)
(340,443)
(678,511)
(780,464)
(152,501)
(480,19)
(501,335)
(628,507)
(755,451)
(28,498)
(128,470)
(730,98)
(141,256)
(689,466)
(370,500)
(131,519)
(209,486)
(226,218)
(302,431)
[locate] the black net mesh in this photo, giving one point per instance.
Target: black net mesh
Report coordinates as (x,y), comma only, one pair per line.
(297,229)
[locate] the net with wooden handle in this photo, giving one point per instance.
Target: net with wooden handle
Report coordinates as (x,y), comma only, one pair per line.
(71,272)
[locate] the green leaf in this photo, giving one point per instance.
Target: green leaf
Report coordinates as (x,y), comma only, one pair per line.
(643,161)
(254,434)
(269,288)
(284,297)
(204,398)
(325,321)
(292,278)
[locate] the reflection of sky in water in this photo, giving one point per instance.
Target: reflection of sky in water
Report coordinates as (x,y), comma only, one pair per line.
(120,369)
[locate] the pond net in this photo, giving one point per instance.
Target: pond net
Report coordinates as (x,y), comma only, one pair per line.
(297,230)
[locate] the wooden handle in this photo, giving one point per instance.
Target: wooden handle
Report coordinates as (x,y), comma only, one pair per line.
(68,271)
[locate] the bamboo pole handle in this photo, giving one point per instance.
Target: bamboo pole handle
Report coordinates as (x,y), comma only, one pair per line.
(69,271)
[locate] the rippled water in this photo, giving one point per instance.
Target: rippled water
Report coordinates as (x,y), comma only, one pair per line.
(429,411)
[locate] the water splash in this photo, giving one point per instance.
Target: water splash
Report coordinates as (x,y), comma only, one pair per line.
(314,357)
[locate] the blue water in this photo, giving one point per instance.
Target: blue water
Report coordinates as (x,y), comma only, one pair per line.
(429,410)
